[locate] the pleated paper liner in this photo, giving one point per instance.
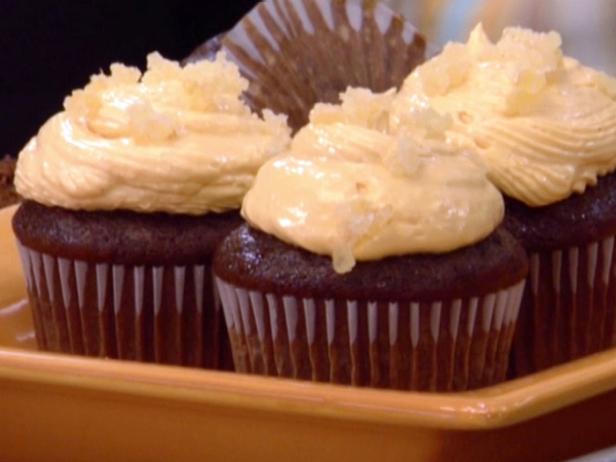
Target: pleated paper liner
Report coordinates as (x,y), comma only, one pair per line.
(296,53)
(568,308)
(207,50)
(449,345)
(162,314)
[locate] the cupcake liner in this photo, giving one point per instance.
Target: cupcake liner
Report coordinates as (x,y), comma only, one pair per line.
(443,345)
(296,53)
(163,314)
(569,306)
(207,50)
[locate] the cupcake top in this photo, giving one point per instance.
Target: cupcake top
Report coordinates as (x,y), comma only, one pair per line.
(349,189)
(544,124)
(173,139)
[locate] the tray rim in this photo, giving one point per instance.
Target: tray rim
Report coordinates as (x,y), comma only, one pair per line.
(500,406)
(503,405)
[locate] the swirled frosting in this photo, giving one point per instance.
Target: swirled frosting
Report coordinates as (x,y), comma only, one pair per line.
(175,139)
(350,190)
(544,124)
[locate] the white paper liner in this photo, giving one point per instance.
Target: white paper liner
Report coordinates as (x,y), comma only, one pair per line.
(163,314)
(444,345)
(569,306)
(299,52)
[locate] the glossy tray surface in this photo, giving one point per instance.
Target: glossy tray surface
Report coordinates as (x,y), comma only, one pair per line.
(59,407)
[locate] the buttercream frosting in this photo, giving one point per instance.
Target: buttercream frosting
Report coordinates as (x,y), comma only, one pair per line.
(544,124)
(351,190)
(173,139)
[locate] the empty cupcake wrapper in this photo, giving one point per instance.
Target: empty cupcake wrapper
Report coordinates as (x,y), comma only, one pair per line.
(163,314)
(443,345)
(207,50)
(299,52)
(568,308)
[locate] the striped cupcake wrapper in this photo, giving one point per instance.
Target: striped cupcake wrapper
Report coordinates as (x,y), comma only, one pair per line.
(444,345)
(162,314)
(568,308)
(315,49)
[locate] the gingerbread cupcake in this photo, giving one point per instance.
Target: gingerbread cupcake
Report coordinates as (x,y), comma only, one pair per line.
(372,260)
(128,190)
(545,127)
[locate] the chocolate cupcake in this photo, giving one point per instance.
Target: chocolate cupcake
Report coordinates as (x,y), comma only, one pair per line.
(128,190)
(372,260)
(296,53)
(545,127)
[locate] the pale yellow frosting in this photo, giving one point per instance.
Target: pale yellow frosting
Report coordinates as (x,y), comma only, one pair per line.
(175,139)
(544,125)
(352,191)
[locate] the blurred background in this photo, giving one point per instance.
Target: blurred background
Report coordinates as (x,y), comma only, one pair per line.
(588,27)
(49,48)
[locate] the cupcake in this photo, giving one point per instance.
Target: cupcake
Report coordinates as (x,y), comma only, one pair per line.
(545,127)
(296,53)
(127,191)
(372,260)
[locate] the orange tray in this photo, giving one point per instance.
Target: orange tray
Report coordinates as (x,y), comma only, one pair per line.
(61,408)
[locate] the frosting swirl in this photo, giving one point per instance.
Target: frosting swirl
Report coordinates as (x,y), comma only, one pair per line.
(544,125)
(175,139)
(352,191)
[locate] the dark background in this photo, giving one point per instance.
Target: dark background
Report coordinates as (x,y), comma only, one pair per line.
(48,48)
